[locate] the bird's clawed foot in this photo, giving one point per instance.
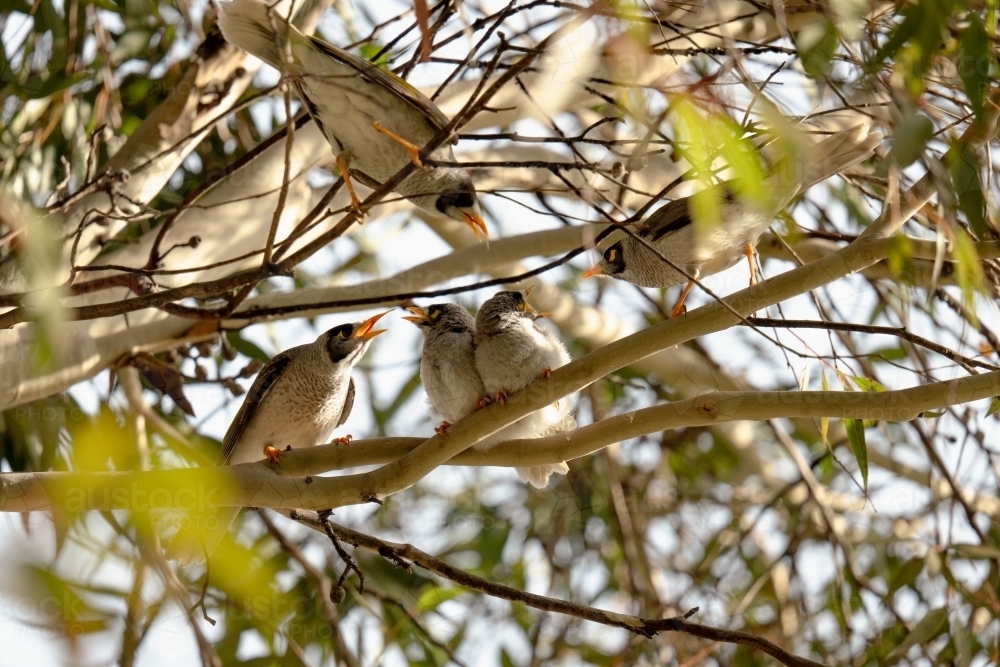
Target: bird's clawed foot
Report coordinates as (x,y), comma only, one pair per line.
(346,440)
(442,428)
(414,151)
(355,202)
(371,498)
(501,398)
(273,455)
(547,373)
(484,401)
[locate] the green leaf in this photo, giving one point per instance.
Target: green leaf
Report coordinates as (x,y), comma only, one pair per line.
(433,596)
(994,406)
(867,384)
(906,574)
(978,551)
(969,189)
(817,44)
(245,347)
(974,63)
(931,415)
(856,436)
(930,626)
(912,135)
(888,354)
(969,272)
(824,422)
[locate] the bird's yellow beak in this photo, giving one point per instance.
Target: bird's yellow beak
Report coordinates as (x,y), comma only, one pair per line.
(595,270)
(527,306)
(478,225)
(365,331)
(419,315)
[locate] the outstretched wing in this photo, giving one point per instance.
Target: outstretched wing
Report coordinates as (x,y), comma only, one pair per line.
(348,403)
(388,80)
(258,391)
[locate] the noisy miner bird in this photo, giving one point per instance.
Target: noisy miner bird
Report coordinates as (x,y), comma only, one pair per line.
(299,397)
(374,120)
(512,351)
(741,223)
(448,362)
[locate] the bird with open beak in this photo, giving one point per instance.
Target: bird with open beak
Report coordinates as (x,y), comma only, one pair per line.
(375,121)
(448,361)
(299,397)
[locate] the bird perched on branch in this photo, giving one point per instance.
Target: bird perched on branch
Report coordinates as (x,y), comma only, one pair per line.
(448,362)
(374,120)
(669,230)
(299,397)
(512,351)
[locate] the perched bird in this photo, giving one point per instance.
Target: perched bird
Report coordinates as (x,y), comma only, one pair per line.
(448,362)
(299,397)
(512,351)
(374,120)
(670,232)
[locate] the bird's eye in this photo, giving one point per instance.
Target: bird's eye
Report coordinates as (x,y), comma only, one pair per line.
(343,332)
(434,313)
(460,199)
(611,255)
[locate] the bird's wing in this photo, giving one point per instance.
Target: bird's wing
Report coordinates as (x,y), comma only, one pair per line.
(386,79)
(666,219)
(348,403)
(677,214)
(258,391)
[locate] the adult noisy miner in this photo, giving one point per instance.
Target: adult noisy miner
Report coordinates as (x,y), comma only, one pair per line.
(299,397)
(669,230)
(374,120)
(512,351)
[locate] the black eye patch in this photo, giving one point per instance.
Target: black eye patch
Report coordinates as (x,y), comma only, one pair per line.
(615,259)
(342,332)
(460,199)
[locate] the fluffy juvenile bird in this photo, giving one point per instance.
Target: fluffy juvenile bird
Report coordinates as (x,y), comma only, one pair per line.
(299,397)
(512,351)
(741,224)
(374,120)
(448,362)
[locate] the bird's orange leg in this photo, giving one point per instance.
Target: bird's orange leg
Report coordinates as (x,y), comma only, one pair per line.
(346,440)
(355,202)
(484,401)
(679,308)
(442,428)
(547,373)
(414,151)
(273,454)
(502,398)
(748,250)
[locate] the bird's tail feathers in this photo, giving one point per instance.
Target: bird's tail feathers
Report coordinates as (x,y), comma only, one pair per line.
(192,542)
(250,25)
(538,476)
(838,152)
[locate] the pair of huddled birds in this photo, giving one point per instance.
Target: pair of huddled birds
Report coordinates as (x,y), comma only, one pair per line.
(376,123)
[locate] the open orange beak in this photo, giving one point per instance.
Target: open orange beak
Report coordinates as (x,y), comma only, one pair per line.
(595,270)
(365,330)
(478,225)
(419,315)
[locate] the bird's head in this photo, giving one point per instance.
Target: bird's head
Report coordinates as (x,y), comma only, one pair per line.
(450,192)
(441,317)
(349,341)
(505,308)
(612,263)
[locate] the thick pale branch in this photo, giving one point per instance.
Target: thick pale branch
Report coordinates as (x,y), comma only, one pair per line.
(257,485)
